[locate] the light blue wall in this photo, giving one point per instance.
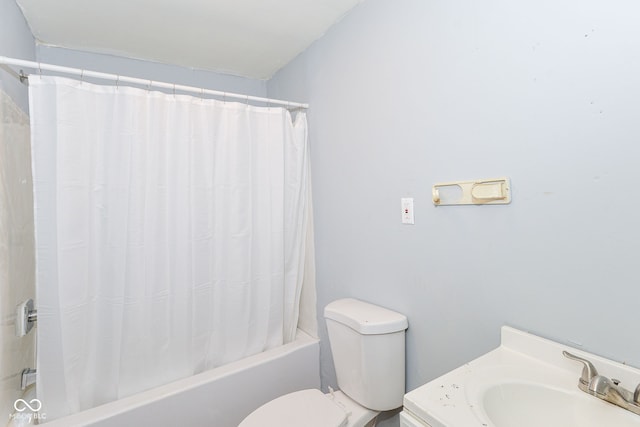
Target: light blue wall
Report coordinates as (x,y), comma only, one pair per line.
(150,70)
(407,93)
(16,41)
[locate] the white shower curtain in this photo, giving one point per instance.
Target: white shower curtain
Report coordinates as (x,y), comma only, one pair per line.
(171,236)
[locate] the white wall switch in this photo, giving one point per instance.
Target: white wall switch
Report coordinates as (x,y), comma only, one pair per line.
(407,210)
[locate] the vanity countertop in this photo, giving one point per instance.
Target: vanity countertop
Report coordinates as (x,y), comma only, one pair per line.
(456,399)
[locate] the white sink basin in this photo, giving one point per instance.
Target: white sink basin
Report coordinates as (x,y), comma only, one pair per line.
(526,382)
(532,405)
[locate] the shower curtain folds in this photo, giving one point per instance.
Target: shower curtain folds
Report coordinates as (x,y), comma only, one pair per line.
(171,236)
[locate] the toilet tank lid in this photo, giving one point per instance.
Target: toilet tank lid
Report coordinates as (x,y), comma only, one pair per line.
(365,318)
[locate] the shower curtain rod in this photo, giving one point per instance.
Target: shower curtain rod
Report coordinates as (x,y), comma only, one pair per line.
(144,82)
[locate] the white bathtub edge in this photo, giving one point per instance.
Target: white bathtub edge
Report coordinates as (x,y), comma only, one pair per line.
(127,404)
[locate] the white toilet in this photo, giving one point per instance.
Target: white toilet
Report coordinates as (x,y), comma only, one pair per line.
(367,344)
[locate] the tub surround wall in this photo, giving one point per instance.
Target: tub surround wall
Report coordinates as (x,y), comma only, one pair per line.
(408,93)
(17,264)
(16,208)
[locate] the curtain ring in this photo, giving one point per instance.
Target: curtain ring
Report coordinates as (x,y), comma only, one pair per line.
(149,85)
(118,82)
(247,100)
(174,90)
(82,76)
(40,69)
(224,97)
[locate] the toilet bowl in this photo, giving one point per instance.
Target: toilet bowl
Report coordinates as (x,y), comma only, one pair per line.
(368,349)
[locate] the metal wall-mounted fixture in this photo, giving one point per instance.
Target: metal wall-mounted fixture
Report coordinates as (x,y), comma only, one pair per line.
(495,191)
(27,378)
(26,316)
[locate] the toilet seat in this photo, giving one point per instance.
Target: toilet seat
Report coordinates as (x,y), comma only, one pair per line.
(309,408)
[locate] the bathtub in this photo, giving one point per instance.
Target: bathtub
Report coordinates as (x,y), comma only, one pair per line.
(220,397)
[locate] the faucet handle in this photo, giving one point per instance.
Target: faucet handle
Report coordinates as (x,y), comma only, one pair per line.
(588,371)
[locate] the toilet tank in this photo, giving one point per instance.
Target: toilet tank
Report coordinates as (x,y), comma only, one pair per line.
(368,348)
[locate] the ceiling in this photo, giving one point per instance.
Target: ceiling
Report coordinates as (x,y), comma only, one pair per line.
(249,38)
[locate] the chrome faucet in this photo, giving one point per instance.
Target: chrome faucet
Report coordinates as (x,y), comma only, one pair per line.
(604,388)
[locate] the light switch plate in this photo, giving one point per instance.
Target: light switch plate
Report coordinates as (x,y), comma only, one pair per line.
(407,210)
